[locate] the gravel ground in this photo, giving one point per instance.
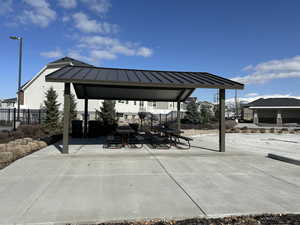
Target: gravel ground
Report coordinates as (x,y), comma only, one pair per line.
(268,219)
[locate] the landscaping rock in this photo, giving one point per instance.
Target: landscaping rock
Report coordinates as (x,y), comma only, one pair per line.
(26,148)
(42,144)
(34,146)
(28,139)
(2,147)
(21,141)
(18,152)
(10,147)
(6,157)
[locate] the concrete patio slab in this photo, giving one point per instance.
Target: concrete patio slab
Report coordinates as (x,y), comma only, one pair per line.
(93,184)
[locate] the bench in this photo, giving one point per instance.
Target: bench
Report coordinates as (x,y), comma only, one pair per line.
(161,142)
(178,137)
(113,141)
(135,140)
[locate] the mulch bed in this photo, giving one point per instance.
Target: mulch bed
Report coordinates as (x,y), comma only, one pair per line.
(266,219)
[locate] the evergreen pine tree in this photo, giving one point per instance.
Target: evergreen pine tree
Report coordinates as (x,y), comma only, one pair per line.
(192,113)
(204,114)
(51,122)
(108,113)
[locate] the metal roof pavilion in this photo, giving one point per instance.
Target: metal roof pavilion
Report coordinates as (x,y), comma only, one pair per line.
(131,84)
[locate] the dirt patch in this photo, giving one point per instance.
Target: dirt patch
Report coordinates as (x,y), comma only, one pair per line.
(267,219)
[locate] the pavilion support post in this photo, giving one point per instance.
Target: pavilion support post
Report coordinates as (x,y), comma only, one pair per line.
(178,117)
(222,120)
(66,119)
(86,106)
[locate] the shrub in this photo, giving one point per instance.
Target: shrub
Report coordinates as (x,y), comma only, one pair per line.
(33,131)
(253,131)
(272,130)
(292,132)
(262,130)
(4,137)
(230,124)
(244,130)
(17,134)
(285,129)
(279,131)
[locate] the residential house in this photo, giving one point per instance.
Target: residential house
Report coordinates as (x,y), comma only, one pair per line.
(272,110)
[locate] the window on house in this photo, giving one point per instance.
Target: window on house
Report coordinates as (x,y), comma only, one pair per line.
(154,104)
(141,104)
(126,102)
(134,102)
(126,117)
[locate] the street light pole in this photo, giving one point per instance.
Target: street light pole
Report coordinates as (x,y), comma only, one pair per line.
(20,71)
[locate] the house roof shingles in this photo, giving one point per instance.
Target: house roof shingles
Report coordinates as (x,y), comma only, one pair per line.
(275,102)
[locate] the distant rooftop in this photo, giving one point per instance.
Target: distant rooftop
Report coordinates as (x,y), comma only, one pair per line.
(9,100)
(273,102)
(67,61)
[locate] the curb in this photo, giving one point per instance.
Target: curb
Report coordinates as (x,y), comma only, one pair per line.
(284,159)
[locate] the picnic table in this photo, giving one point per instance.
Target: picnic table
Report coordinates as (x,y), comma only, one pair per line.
(125,131)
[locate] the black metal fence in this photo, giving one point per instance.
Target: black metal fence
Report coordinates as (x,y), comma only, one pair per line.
(8,117)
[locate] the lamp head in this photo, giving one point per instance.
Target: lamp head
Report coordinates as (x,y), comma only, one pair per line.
(15,38)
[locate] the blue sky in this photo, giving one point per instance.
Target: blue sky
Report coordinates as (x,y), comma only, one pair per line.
(254,42)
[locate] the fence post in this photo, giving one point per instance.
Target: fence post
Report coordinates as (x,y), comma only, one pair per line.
(40,116)
(8,116)
(14,119)
(28,116)
(160,119)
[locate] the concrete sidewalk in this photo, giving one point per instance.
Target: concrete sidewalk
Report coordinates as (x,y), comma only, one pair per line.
(93,184)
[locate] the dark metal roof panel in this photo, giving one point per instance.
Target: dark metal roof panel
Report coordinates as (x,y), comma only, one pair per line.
(133,77)
(130,93)
(273,102)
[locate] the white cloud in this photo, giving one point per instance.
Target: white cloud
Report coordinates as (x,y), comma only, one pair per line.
(270,70)
(67,4)
(123,50)
(251,94)
(143,51)
(114,46)
(98,6)
(52,54)
(85,24)
(65,19)
(38,13)
(6,7)
(101,54)
(251,99)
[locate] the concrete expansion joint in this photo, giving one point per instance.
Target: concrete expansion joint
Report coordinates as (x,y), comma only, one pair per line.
(176,182)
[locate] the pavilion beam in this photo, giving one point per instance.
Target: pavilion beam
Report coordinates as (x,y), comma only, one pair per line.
(222,120)
(66,128)
(86,106)
(178,116)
